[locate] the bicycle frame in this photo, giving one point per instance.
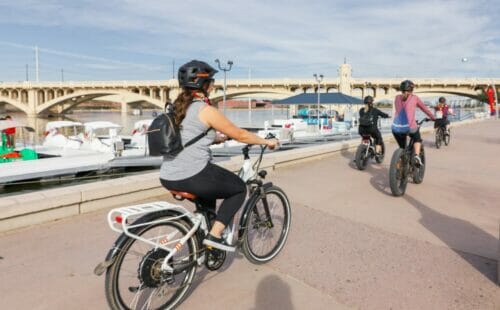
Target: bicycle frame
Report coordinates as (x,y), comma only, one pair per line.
(119,218)
(368,141)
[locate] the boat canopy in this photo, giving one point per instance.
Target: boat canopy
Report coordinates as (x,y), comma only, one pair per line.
(100,125)
(13,124)
(60,124)
(324,98)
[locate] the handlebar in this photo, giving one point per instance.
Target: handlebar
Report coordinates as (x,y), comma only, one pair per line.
(246,150)
(423,121)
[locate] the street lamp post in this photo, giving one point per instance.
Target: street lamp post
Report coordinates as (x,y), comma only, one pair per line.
(225,69)
(318,79)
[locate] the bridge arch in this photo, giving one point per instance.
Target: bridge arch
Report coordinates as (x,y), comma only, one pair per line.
(230,95)
(16,103)
(473,94)
(78,97)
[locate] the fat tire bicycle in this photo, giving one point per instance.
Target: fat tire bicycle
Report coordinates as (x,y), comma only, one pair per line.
(442,136)
(403,167)
(366,151)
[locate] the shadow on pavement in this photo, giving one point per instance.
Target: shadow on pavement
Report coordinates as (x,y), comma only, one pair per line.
(273,293)
(206,274)
(452,231)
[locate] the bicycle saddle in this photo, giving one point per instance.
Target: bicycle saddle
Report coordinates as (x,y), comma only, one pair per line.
(182,195)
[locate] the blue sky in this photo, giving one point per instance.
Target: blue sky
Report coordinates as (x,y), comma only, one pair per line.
(128,40)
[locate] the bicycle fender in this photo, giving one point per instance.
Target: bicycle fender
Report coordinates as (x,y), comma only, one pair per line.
(119,243)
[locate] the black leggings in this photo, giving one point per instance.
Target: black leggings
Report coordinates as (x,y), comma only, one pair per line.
(401,138)
(372,131)
(212,183)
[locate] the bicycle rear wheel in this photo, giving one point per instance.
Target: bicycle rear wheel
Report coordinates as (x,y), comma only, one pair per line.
(135,281)
(398,178)
(267,226)
(361,159)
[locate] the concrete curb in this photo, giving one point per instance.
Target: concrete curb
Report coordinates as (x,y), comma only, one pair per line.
(33,208)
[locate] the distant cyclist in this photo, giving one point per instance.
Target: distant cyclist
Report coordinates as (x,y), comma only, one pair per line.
(404,123)
(442,111)
(368,121)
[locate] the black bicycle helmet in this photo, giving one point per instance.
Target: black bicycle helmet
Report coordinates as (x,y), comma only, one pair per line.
(368,100)
(442,99)
(406,85)
(195,74)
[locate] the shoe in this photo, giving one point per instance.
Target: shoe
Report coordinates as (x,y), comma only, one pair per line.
(418,161)
(218,243)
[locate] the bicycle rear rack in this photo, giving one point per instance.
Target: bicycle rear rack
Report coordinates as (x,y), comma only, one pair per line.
(121,219)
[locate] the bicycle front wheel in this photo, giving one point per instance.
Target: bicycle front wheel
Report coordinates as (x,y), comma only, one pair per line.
(447,137)
(398,173)
(439,135)
(267,226)
(135,280)
(419,172)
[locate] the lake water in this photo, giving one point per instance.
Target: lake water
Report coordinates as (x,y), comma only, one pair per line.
(240,117)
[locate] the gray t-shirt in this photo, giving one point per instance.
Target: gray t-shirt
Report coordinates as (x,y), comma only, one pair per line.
(192,159)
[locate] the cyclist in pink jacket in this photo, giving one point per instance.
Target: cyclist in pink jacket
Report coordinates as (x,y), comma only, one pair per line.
(409,102)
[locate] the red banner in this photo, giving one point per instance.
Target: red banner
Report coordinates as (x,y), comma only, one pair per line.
(490,93)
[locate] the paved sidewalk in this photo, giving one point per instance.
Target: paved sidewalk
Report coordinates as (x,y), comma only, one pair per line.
(352,244)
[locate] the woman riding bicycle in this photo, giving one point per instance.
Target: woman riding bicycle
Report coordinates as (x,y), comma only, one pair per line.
(442,111)
(407,103)
(368,121)
(192,170)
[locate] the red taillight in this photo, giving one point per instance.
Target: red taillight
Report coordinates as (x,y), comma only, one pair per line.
(134,131)
(119,219)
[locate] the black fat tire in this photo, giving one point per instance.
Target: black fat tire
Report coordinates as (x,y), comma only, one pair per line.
(398,187)
(418,173)
(115,301)
(246,246)
(361,160)
(447,138)
(439,137)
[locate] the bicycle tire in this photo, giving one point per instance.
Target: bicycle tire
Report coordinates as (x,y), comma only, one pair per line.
(112,284)
(439,135)
(398,179)
(418,173)
(447,137)
(361,160)
(259,225)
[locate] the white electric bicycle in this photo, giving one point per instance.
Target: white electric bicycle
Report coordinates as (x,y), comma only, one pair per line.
(153,262)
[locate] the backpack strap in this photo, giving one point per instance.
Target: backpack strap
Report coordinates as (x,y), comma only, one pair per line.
(198,137)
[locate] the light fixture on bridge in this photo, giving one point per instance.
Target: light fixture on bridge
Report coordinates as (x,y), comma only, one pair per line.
(225,69)
(318,79)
